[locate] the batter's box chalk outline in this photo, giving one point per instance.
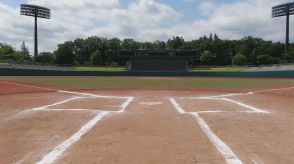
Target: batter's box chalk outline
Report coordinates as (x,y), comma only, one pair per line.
(56,152)
(221,146)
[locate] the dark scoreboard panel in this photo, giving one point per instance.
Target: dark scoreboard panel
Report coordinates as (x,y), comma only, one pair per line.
(174,60)
(159,64)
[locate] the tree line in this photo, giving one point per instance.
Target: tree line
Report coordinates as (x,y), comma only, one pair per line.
(100,51)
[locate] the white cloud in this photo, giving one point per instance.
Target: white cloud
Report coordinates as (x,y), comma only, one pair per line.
(83,18)
(145,20)
(235,20)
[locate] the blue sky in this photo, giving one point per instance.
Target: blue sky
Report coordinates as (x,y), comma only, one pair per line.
(144,20)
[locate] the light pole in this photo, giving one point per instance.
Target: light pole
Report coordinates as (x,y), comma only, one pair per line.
(36,12)
(286,9)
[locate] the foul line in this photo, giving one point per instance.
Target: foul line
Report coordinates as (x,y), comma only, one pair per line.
(225,150)
(29,86)
(234,94)
(278,89)
(58,150)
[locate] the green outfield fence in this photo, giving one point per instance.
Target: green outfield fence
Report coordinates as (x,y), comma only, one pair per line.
(30,72)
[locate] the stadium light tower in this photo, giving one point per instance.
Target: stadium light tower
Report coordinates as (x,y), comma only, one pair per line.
(285,9)
(36,12)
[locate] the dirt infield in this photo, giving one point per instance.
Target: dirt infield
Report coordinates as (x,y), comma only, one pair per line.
(146,126)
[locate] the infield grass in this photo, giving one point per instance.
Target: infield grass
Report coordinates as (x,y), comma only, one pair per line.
(154,82)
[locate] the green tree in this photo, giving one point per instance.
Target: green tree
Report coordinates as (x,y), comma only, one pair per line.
(82,49)
(206,58)
(24,49)
(20,57)
(239,59)
(266,59)
(45,58)
(96,58)
(65,53)
(6,49)
(175,43)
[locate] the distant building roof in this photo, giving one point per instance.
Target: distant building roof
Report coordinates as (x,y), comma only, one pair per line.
(158,53)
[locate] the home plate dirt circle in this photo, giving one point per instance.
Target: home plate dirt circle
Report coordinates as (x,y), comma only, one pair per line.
(151,103)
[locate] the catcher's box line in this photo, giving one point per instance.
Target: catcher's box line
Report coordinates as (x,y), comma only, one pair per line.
(245,105)
(60,149)
(121,108)
(41,108)
(223,148)
(97,96)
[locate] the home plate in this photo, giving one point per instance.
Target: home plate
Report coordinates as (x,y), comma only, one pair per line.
(151,103)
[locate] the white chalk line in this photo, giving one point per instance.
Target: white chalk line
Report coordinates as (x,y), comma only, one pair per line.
(78,110)
(256,110)
(278,89)
(55,104)
(97,96)
(246,106)
(220,111)
(234,94)
(177,106)
(151,103)
(58,150)
(125,104)
(47,107)
(226,152)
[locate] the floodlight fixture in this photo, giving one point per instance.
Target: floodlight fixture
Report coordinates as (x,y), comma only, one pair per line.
(285,9)
(36,12)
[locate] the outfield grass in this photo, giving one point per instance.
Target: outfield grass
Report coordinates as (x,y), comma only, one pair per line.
(154,83)
(219,69)
(102,69)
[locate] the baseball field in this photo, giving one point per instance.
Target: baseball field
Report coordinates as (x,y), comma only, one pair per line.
(152,120)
